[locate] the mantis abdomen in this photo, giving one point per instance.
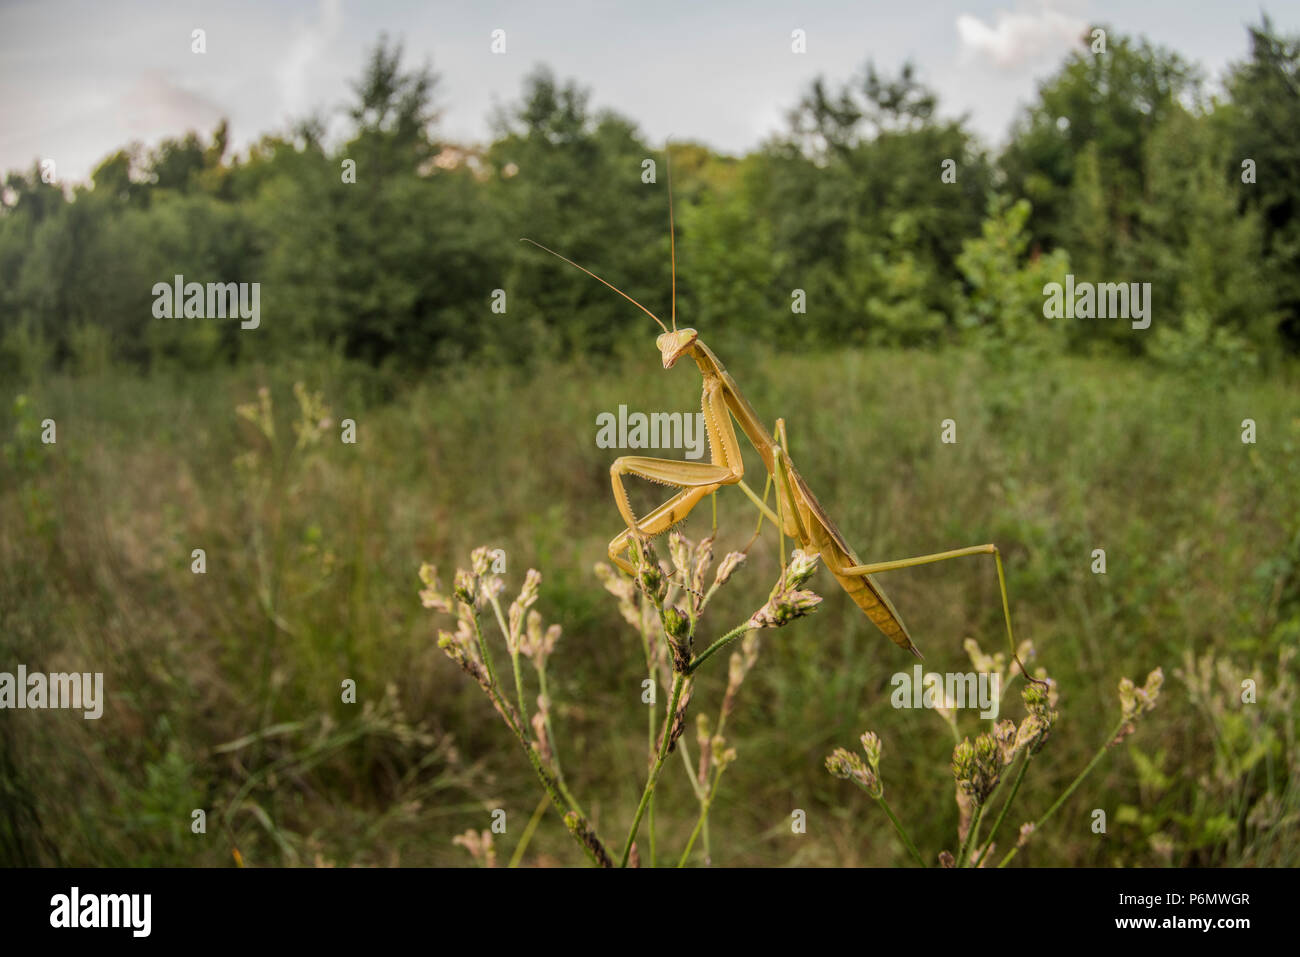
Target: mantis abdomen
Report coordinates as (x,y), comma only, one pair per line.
(837,554)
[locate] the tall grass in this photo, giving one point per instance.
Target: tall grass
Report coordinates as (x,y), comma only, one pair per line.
(224,687)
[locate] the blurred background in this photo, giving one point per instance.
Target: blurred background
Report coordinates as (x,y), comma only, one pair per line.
(821,172)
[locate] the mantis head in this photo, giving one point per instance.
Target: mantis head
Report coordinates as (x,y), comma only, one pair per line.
(673,345)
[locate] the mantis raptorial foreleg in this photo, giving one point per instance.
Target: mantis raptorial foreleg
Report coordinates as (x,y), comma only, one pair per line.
(695,479)
(661,519)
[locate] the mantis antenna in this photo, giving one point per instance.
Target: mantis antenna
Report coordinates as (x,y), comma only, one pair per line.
(525,239)
(672,232)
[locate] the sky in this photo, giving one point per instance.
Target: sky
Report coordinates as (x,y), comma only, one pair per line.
(81,78)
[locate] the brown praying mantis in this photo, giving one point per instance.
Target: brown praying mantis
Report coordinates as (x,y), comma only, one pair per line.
(798,513)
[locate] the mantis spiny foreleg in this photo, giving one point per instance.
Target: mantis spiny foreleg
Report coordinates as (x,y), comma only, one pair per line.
(695,479)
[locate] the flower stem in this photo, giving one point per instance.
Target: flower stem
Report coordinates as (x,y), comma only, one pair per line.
(1096,759)
(1006,806)
(487,657)
(898,826)
(963,860)
(533,821)
(650,715)
(717,646)
(494,686)
(705,803)
(691,772)
(555,750)
(513,648)
(563,802)
(679,679)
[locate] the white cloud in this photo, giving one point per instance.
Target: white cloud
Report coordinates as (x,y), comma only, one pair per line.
(1019,38)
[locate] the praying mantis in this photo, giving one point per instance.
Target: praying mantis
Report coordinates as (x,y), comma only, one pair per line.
(799,515)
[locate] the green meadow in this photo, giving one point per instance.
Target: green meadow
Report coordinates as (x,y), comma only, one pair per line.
(223,688)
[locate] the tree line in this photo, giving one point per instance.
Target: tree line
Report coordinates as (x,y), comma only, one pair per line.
(870,220)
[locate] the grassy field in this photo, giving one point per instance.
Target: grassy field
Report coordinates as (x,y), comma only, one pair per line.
(224,687)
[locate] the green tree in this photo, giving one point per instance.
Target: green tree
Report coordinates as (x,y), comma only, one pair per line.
(1204,253)
(863,217)
(1260,124)
(1113,102)
(574,182)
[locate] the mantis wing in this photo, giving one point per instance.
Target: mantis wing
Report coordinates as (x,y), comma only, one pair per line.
(837,554)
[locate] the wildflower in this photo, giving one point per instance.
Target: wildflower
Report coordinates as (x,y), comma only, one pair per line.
(784,609)
(680,550)
(465,587)
(730,563)
(650,576)
(543,742)
(259,414)
(1135,701)
(801,568)
(703,558)
(527,598)
(488,585)
(963,764)
(481,561)
(489,588)
(624,591)
(738,666)
(787,602)
(692,562)
(430,595)
(978,659)
(977,767)
(676,623)
(461,649)
(537,644)
(1037,725)
(871,745)
(313,416)
(722,755)
(1004,732)
(704,737)
(843,763)
(988,763)
(677,626)
(1026,832)
(742,661)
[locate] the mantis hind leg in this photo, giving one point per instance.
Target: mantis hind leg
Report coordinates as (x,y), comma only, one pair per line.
(990,549)
(842,566)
